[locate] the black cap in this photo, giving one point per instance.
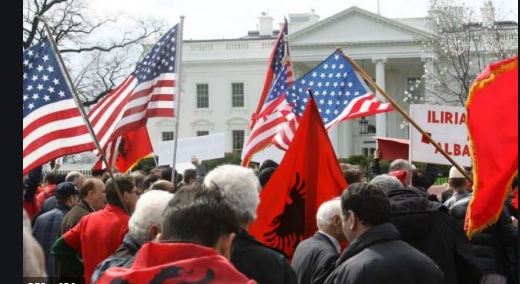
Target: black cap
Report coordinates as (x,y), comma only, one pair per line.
(64,190)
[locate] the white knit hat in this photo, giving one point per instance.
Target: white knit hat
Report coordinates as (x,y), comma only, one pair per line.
(454,173)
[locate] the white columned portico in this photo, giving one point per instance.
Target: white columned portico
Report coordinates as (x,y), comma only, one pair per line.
(334,138)
(346,139)
(380,80)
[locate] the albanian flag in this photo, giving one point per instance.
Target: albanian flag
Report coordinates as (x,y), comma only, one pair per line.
(134,146)
(127,150)
(308,175)
(492,121)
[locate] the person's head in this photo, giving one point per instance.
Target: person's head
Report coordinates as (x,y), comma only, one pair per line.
(264,175)
(419,179)
(148,181)
(66,193)
(353,174)
(163,185)
(201,216)
(387,183)
(363,206)
(190,176)
(75,177)
(457,181)
(328,219)
(145,223)
(166,173)
(157,171)
(93,191)
(405,167)
(127,189)
(60,177)
(51,178)
(240,187)
(195,161)
(268,164)
(138,177)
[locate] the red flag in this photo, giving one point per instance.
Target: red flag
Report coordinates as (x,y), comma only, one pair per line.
(393,148)
(492,121)
(127,150)
(134,147)
(308,175)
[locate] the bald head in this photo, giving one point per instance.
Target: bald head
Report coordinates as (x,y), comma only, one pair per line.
(402,165)
(162,185)
(93,191)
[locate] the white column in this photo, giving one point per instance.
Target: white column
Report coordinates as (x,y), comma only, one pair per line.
(380,80)
(346,140)
(333,136)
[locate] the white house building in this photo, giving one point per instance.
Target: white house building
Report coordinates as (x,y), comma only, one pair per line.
(221,80)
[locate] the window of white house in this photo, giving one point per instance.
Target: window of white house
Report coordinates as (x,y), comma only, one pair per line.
(202,96)
(202,133)
(368,151)
(167,135)
(238,140)
(237,94)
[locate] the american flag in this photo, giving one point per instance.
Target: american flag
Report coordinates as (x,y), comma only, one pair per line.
(340,94)
(149,91)
(273,111)
(52,124)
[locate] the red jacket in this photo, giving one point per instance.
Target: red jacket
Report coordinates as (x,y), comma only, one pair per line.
(176,263)
(97,236)
(43,193)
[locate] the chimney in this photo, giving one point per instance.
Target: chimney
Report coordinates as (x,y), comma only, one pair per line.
(265,23)
(488,14)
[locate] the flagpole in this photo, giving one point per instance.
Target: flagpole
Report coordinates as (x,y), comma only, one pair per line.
(402,112)
(68,81)
(177,99)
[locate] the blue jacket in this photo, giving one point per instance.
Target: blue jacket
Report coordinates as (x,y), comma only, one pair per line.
(46,231)
(122,257)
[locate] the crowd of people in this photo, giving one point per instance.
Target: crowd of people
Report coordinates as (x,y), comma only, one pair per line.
(142,228)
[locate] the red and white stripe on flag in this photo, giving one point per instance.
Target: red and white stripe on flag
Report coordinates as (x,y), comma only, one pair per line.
(52,124)
(149,91)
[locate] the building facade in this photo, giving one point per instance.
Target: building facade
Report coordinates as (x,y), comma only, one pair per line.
(221,80)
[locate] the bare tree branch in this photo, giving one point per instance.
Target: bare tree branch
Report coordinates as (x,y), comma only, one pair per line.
(96,63)
(462,48)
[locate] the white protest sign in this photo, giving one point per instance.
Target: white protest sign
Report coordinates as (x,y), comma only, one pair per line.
(269,153)
(447,126)
(204,147)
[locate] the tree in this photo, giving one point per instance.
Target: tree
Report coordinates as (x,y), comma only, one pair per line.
(462,46)
(96,58)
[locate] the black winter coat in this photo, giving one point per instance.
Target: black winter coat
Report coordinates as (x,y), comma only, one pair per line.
(314,259)
(261,263)
(427,226)
(379,257)
(492,245)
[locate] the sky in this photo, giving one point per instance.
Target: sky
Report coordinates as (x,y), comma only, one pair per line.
(217,19)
